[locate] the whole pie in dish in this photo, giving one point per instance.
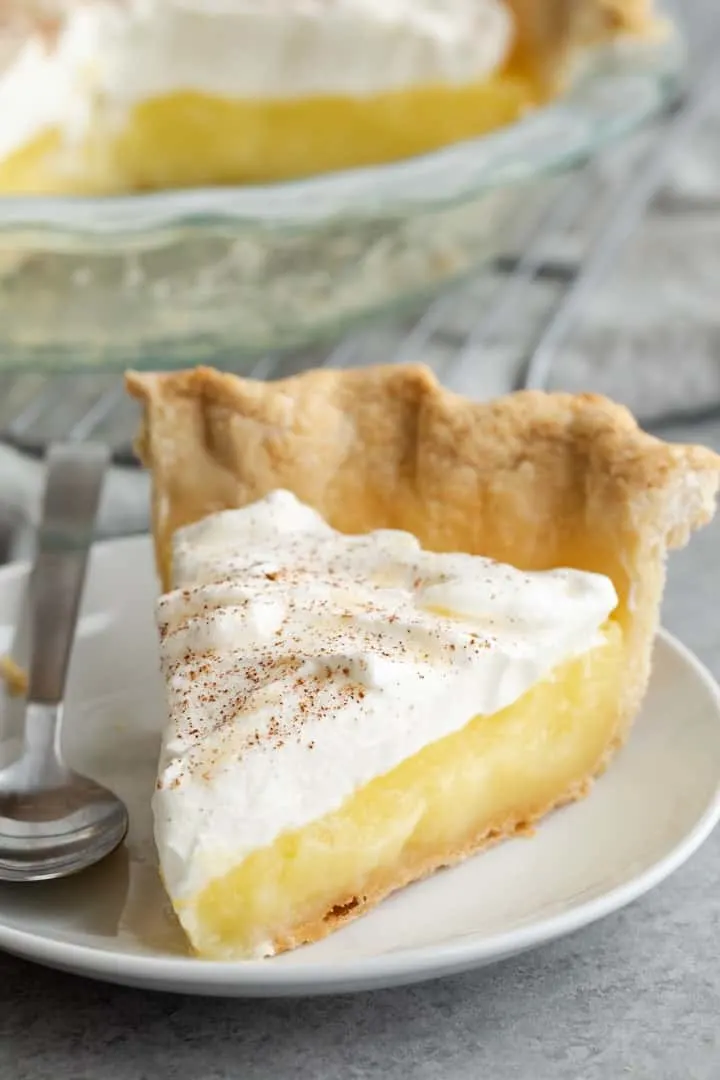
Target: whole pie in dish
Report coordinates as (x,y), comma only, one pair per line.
(398,627)
(124,95)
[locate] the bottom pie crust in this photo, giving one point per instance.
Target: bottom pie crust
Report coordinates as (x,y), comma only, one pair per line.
(350,908)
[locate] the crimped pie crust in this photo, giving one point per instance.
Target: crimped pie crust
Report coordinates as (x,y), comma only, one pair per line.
(547,30)
(536,480)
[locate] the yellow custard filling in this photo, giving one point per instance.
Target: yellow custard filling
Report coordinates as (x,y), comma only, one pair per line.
(489,780)
(192,139)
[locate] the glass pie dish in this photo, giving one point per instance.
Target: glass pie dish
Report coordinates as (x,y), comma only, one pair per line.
(225,274)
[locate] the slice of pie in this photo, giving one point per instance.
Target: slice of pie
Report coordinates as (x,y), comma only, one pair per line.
(119,95)
(350,710)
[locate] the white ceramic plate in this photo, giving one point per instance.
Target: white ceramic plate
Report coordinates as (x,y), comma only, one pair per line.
(651,811)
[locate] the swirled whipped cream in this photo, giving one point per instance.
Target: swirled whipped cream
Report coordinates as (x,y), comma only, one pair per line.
(302,663)
(109,55)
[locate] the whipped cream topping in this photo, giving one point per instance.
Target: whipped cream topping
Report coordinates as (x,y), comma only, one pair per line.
(301,664)
(113,54)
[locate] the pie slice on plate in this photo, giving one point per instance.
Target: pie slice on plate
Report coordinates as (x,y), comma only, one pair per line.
(375,661)
(132,95)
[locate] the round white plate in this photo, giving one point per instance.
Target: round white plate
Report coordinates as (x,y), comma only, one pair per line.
(645,817)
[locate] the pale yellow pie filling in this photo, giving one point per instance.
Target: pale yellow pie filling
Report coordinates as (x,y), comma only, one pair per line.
(489,780)
(191,139)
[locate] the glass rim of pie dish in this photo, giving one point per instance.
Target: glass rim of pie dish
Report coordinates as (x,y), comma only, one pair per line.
(618,89)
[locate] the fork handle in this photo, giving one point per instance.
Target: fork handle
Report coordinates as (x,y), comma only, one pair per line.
(75,474)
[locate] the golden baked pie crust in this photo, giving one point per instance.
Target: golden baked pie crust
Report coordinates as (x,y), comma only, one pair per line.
(547,32)
(532,479)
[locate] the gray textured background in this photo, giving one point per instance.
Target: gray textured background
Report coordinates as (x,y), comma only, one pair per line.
(636,996)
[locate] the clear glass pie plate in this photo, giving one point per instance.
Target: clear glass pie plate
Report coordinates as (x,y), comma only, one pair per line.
(220,275)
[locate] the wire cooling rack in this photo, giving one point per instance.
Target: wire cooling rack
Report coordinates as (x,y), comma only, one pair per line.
(529,303)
